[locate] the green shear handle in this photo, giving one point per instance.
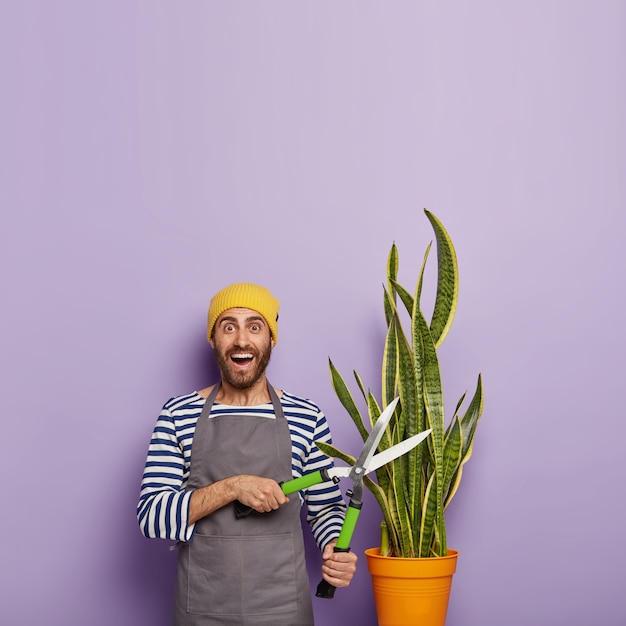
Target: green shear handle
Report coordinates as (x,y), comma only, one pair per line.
(291,486)
(324,588)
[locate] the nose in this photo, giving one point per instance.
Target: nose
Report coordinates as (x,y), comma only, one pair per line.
(242,338)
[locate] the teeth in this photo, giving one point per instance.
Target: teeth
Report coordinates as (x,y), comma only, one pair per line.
(244,355)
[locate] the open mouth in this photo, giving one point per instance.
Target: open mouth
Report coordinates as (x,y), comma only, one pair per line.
(242,358)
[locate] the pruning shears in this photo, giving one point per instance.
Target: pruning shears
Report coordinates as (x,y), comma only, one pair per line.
(366,462)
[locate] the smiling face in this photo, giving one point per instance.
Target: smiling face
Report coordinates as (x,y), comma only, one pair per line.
(243,346)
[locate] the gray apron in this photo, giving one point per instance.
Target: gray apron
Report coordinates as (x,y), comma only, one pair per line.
(249,571)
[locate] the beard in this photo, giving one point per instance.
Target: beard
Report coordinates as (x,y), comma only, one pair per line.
(248,378)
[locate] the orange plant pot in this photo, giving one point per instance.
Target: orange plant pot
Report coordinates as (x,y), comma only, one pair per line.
(411,591)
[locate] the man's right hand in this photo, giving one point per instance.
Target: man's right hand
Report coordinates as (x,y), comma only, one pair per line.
(261,494)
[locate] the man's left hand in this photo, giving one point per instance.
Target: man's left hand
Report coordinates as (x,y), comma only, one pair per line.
(338,567)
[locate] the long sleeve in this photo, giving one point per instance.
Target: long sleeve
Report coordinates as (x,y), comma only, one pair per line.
(163,507)
(325,505)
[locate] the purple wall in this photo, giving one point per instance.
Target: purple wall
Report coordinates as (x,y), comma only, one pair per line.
(152,152)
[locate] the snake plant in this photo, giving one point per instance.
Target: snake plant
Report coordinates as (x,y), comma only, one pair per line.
(414,490)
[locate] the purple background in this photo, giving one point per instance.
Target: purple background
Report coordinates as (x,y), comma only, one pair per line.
(153,152)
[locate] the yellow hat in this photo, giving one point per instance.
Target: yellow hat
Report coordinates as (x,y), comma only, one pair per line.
(245,296)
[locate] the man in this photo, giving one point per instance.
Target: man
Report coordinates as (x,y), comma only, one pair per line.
(230,445)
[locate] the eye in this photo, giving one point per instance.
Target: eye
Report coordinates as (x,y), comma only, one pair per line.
(255,328)
(229,328)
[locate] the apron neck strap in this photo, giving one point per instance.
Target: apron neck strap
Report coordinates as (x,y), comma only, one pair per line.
(278,408)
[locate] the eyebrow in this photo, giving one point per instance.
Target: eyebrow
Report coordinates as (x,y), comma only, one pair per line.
(252,318)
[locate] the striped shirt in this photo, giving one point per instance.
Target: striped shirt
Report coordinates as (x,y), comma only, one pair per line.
(163,508)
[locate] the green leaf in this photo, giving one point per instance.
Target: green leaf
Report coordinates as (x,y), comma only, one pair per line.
(456,411)
(404,518)
(374,410)
(389,308)
(392,272)
(383,503)
(407,299)
(447,282)
(427,521)
(418,366)
(470,420)
(407,384)
(412,411)
(332,452)
(405,296)
(452,454)
(395,528)
(359,382)
(384,539)
(468,425)
(373,407)
(420,280)
(345,397)
(390,361)
(426,353)
(384,476)
(392,263)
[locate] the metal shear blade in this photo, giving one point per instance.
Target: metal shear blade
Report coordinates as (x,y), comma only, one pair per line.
(367,452)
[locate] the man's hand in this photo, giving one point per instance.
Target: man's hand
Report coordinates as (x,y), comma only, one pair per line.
(261,494)
(338,567)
